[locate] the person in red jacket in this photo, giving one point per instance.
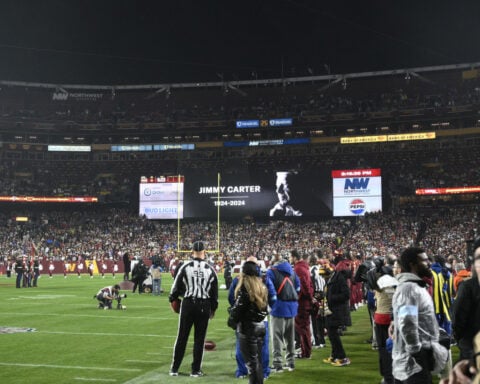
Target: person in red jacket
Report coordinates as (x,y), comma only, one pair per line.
(305,301)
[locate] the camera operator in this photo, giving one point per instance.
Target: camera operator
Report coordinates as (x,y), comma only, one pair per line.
(369,272)
(106,295)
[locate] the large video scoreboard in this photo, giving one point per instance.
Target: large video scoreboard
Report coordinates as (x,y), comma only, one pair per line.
(161,197)
(356,191)
(241,194)
(278,193)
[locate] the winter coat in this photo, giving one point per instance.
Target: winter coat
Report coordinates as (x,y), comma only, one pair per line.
(305,296)
(338,299)
(415,327)
(247,315)
(460,277)
(466,310)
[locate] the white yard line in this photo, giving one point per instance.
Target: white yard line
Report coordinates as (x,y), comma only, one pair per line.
(104,315)
(68,367)
(105,334)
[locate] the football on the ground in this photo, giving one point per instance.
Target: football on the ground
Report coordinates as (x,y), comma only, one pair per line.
(210,345)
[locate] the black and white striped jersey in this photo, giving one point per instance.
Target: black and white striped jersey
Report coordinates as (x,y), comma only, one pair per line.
(196,279)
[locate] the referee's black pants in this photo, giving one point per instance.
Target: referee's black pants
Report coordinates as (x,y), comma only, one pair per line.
(196,313)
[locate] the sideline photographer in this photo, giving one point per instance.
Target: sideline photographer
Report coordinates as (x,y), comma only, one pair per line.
(106,295)
(367,274)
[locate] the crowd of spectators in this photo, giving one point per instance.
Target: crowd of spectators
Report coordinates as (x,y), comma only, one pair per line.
(113,178)
(405,167)
(361,98)
(294,99)
(110,233)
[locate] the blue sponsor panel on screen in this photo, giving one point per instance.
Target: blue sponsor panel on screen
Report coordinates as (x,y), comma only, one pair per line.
(356,206)
(159,210)
(280,122)
(260,143)
(168,147)
(357,186)
(247,124)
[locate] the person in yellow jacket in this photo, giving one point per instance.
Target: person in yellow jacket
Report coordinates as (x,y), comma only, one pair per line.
(442,293)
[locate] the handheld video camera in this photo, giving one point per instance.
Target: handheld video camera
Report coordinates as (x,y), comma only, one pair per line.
(119,298)
(370,270)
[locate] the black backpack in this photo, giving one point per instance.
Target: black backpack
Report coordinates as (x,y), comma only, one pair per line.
(284,286)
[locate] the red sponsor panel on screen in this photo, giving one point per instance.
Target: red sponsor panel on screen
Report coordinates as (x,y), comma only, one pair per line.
(372,172)
(162,179)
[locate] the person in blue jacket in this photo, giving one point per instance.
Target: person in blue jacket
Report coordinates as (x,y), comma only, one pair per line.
(283,312)
(241,371)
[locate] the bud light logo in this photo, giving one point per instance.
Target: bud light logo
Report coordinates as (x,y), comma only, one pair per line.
(357,206)
(147,192)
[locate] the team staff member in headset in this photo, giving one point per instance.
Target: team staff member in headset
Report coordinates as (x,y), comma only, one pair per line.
(196,281)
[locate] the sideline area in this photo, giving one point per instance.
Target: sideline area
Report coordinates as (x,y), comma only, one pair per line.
(73,341)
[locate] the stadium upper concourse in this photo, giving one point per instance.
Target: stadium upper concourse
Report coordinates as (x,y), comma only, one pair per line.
(337,121)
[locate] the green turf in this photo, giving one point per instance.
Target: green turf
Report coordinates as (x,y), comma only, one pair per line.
(75,342)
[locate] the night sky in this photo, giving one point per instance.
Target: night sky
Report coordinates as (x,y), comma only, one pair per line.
(163,41)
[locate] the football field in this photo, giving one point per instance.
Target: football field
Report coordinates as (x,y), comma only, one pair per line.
(56,334)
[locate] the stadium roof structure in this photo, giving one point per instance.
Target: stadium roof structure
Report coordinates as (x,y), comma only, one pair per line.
(317,107)
(236,85)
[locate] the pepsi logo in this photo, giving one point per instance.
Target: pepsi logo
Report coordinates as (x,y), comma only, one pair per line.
(357,206)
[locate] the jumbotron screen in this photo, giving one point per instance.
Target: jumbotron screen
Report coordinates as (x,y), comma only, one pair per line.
(258,193)
(161,197)
(356,191)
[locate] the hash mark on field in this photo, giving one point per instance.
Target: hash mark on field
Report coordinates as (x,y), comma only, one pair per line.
(144,361)
(159,353)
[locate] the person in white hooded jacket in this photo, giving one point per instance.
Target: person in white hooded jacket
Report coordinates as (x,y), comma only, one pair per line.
(416,351)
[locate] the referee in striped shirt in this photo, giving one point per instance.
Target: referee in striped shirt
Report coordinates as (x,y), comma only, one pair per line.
(197,283)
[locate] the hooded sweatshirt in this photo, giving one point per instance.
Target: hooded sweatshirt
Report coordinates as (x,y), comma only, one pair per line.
(283,308)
